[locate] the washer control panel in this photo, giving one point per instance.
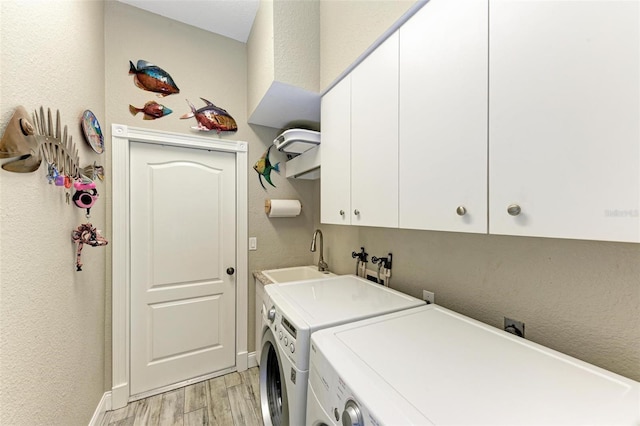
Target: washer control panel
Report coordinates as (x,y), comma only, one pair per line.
(287,334)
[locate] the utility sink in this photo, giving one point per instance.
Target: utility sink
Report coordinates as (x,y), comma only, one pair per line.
(296,273)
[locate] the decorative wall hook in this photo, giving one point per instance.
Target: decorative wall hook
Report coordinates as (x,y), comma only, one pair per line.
(31,140)
(18,141)
(56,145)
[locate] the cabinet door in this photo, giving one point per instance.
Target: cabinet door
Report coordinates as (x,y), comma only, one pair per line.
(374,137)
(564,125)
(335,150)
(443,117)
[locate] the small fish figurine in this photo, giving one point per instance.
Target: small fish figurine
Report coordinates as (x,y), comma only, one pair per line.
(152,78)
(151,110)
(263,167)
(211,117)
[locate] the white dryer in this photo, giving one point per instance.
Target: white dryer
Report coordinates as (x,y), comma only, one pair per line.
(295,311)
(432,366)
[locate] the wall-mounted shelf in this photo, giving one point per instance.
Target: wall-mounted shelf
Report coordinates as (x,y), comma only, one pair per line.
(305,166)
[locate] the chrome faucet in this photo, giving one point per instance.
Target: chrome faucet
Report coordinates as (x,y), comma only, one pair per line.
(322,265)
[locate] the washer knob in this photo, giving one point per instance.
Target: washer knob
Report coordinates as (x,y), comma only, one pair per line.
(292,347)
(351,416)
(280,335)
(271,315)
(286,341)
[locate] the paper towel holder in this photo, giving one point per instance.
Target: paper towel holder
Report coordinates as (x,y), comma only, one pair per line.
(272,207)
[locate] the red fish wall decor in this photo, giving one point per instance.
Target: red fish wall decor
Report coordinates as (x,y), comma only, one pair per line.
(151,110)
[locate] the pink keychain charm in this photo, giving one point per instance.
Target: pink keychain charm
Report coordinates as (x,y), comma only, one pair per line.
(86,194)
(84,185)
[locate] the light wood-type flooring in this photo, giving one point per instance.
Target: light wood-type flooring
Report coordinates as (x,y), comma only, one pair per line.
(231,400)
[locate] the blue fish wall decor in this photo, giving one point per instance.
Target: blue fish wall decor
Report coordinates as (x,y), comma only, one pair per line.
(152,78)
(263,167)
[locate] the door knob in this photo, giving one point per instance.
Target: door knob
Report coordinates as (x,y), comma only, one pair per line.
(230,271)
(461,211)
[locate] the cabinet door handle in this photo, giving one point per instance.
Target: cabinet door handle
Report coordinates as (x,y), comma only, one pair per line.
(356,212)
(341,212)
(514,210)
(461,211)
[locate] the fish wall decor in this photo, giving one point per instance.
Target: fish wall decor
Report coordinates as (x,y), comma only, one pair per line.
(148,76)
(263,167)
(211,117)
(151,110)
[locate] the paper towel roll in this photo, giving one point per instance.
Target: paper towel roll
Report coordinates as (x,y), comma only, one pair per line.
(282,208)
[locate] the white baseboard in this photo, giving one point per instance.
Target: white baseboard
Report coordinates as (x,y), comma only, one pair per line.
(241,360)
(252,360)
(103,406)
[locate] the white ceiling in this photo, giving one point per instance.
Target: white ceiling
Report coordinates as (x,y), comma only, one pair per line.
(230,18)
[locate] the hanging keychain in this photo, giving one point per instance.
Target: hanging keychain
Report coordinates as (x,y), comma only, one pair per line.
(86,234)
(67,185)
(86,195)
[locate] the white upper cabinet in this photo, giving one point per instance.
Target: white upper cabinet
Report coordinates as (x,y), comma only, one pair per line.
(374,137)
(443,117)
(564,119)
(335,150)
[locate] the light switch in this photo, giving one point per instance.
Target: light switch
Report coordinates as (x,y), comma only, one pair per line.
(253,243)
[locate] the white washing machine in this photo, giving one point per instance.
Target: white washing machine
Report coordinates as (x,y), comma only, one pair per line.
(432,366)
(294,311)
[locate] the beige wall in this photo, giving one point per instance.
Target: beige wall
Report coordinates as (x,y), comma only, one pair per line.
(52,329)
(349,27)
(579,297)
(260,55)
(297,43)
(283,47)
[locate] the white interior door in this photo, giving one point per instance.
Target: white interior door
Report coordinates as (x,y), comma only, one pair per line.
(183,239)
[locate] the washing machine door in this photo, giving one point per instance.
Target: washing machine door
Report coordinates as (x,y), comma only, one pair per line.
(273,389)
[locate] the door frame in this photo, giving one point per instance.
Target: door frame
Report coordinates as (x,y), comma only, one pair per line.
(121,138)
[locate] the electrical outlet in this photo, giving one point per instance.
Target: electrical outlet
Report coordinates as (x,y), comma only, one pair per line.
(514,327)
(428,296)
(253,243)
